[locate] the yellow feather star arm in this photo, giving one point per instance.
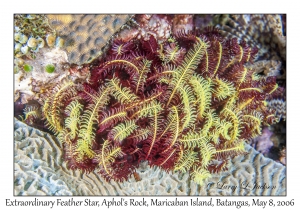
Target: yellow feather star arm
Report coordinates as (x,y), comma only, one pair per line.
(123,130)
(214,136)
(206,61)
(142,74)
(275,88)
(223,89)
(148,110)
(109,118)
(188,66)
(223,128)
(219,58)
(210,120)
(171,121)
(207,153)
(73,110)
(123,95)
(242,76)
(254,119)
(64,137)
(47,113)
(199,175)
(251,89)
(122,61)
(186,161)
(89,118)
(193,139)
(242,105)
(107,156)
(140,134)
(174,127)
(61,91)
(31,111)
(83,148)
(234,116)
(141,103)
(154,129)
(203,90)
(167,158)
(240,147)
(189,109)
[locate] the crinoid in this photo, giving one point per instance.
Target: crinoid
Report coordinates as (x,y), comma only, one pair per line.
(185,105)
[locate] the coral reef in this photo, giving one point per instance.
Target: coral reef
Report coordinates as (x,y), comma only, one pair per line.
(263,142)
(183,23)
(161,26)
(33,25)
(266,32)
(278,151)
(33,84)
(280,108)
(269,68)
(271,143)
(187,104)
(282,157)
(37,158)
(203,20)
(31,32)
(167,105)
(85,35)
(39,170)
(146,26)
(36,44)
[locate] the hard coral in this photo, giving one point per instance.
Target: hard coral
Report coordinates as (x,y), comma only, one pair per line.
(158,26)
(182,23)
(269,68)
(185,105)
(267,32)
(86,35)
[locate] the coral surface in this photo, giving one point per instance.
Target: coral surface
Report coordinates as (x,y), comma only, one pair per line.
(85,35)
(161,26)
(37,158)
(266,32)
(280,108)
(269,68)
(39,170)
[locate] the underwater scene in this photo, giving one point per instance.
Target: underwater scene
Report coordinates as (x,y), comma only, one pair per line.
(149,104)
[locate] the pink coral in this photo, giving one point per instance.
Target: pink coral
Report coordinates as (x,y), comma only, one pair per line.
(182,23)
(263,142)
(157,26)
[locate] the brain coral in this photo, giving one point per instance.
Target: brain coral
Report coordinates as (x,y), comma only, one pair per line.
(86,35)
(39,170)
(267,32)
(37,158)
(187,104)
